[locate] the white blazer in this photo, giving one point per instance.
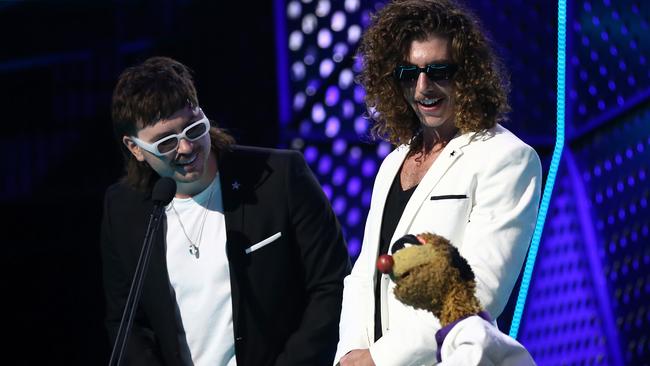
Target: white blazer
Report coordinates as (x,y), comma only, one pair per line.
(482,193)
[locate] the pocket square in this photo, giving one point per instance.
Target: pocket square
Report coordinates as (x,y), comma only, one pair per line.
(263,243)
(449,197)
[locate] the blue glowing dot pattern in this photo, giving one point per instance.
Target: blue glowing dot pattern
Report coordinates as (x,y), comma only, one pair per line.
(346,172)
(524,35)
(589,297)
(615,171)
(326,103)
(327,114)
(561,324)
(609,57)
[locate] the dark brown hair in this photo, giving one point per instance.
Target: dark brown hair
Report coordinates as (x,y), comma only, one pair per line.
(480,86)
(145,94)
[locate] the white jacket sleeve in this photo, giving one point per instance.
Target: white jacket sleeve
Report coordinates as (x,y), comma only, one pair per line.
(410,342)
(474,341)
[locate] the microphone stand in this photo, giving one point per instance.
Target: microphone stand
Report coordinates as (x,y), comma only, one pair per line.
(136,288)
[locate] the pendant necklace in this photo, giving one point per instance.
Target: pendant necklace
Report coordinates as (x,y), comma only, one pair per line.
(194,245)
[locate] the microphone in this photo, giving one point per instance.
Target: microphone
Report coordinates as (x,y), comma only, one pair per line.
(163,192)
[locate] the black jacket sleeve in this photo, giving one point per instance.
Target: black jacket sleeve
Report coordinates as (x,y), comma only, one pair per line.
(325,263)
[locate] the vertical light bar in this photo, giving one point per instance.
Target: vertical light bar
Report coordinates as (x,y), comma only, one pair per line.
(281,57)
(555,163)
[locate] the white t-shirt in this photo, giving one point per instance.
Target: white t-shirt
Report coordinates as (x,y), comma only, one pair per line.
(201,284)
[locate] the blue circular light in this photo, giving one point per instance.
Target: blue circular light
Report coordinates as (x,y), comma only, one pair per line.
(339,205)
(299,101)
(360,125)
(354,247)
(332,95)
(612,85)
(323,8)
(312,86)
(354,34)
(339,146)
(324,164)
(352,5)
(318,113)
(326,67)
(309,23)
(366,197)
(311,154)
(324,38)
(354,156)
(354,216)
(332,126)
(295,40)
(345,78)
(354,186)
(347,108)
(339,51)
(368,168)
(383,149)
(338,21)
(298,71)
(359,94)
(294,9)
(339,175)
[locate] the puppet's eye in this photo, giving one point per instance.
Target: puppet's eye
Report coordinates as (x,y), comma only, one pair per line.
(403,241)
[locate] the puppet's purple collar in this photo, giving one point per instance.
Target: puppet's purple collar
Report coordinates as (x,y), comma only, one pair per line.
(442,333)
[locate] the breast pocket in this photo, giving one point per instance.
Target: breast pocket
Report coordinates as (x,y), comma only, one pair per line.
(444,214)
(449,197)
(263,243)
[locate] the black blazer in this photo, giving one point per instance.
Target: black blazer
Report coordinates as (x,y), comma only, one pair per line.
(286,296)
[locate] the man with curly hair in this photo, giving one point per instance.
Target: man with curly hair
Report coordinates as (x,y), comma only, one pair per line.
(436,91)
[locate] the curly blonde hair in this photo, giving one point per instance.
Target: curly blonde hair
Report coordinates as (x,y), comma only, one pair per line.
(480,86)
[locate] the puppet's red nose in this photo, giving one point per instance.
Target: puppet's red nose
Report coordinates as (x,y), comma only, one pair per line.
(385,263)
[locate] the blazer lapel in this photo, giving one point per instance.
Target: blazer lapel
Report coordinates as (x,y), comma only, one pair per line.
(452,152)
(379,196)
(233,205)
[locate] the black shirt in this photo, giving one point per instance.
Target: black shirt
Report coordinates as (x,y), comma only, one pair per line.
(395,204)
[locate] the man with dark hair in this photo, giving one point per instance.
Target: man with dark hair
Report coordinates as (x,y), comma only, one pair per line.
(437,92)
(249,263)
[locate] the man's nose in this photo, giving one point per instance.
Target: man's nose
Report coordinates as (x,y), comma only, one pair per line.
(423,82)
(184,146)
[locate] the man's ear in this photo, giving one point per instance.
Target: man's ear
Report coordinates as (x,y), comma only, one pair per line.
(133,148)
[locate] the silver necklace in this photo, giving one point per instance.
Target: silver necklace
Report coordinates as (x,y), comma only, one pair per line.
(194,245)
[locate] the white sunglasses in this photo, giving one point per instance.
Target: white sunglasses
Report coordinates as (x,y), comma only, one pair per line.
(169,144)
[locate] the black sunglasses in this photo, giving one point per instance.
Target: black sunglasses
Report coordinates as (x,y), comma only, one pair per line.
(435,72)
